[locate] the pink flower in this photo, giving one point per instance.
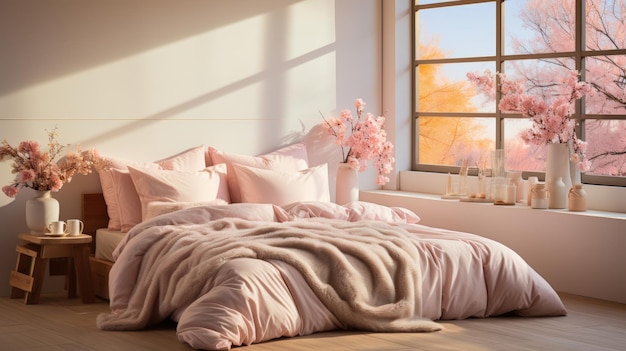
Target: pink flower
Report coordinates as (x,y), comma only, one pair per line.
(28,147)
(27,176)
(359,104)
(584,165)
(10,190)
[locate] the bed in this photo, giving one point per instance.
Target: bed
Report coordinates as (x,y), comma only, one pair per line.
(270,256)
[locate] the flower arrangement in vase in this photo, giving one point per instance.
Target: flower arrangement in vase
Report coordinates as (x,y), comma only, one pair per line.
(41,170)
(365,140)
(550,113)
(44,173)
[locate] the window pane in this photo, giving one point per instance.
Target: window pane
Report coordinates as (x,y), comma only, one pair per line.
(539,26)
(540,73)
(606,146)
(520,156)
(436,36)
(450,140)
(445,88)
(605,24)
(542,77)
(608,76)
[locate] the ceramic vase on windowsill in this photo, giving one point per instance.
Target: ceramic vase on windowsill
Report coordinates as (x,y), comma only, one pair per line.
(41,210)
(558,166)
(347,184)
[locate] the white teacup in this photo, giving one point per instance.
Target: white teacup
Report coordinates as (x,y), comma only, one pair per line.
(74,226)
(57,227)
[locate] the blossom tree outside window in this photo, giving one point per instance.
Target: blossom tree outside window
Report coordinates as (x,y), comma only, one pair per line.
(554,27)
(540,49)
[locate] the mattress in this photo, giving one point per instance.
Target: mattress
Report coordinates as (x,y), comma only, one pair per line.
(106,242)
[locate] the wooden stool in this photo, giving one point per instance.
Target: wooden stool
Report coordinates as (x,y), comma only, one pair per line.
(32,259)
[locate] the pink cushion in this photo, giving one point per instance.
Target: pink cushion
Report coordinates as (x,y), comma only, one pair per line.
(280,187)
(178,186)
(110,191)
(125,195)
(361,210)
(189,160)
(289,158)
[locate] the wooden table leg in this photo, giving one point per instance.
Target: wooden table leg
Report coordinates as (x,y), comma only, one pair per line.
(70,278)
(39,271)
(83,273)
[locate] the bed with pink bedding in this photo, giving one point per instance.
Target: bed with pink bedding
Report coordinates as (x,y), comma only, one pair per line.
(239,274)
(242,249)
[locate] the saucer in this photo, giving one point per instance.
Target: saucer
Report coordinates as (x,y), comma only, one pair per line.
(55,234)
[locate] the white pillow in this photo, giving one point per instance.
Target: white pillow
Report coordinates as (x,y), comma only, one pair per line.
(289,158)
(157,208)
(279,187)
(178,186)
(361,210)
(316,209)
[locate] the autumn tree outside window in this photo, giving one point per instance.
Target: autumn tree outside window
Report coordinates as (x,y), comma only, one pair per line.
(535,39)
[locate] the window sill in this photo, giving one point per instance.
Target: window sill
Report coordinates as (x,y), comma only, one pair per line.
(516,207)
(602,200)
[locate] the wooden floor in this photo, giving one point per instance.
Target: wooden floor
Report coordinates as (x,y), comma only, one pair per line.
(58,323)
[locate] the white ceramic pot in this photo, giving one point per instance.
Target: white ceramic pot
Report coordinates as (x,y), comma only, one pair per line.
(41,211)
(558,166)
(346,185)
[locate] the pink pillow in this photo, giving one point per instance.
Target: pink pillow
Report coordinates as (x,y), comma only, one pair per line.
(361,210)
(178,186)
(279,187)
(188,160)
(289,158)
(110,191)
(125,195)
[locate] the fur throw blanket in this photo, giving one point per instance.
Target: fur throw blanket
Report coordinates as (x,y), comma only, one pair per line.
(366,273)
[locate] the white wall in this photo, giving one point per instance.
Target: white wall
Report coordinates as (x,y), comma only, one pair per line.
(144,80)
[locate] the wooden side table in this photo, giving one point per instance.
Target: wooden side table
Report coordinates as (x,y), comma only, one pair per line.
(33,255)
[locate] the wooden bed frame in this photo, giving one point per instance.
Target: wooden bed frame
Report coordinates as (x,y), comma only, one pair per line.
(94,216)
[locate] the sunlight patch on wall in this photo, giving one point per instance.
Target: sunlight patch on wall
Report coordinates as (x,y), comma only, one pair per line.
(228,72)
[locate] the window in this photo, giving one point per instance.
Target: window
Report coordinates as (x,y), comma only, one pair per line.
(537,40)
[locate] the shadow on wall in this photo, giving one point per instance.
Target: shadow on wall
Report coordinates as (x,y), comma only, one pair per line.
(102,33)
(109,31)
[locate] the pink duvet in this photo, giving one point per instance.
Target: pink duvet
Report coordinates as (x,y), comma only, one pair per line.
(232,281)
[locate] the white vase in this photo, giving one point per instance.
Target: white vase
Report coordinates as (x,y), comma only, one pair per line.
(346,185)
(41,211)
(558,193)
(558,166)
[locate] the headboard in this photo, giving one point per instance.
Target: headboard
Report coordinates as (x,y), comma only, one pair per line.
(94,214)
